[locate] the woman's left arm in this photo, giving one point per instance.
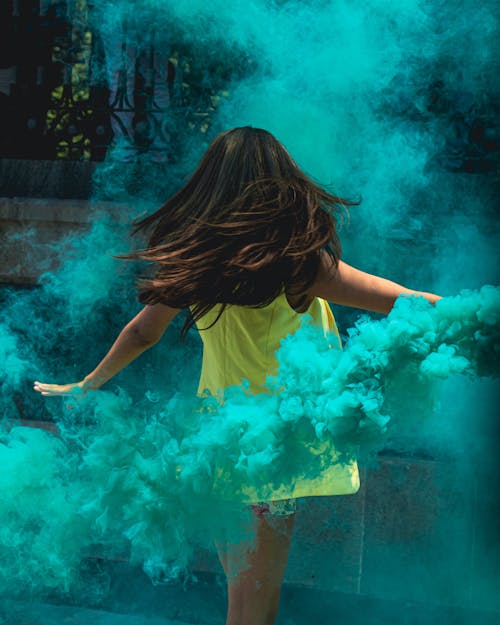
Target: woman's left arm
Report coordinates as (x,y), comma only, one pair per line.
(349,286)
(141,333)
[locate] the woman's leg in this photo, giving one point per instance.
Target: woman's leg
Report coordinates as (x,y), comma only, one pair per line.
(255,571)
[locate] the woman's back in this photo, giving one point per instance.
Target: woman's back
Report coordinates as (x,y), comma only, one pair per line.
(242,344)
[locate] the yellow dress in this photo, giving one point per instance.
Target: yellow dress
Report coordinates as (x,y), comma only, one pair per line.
(242,344)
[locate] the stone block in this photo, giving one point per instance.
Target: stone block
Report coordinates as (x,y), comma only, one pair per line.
(418,531)
(32,232)
(485,563)
(327,543)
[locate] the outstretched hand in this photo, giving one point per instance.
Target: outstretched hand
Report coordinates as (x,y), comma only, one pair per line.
(51,390)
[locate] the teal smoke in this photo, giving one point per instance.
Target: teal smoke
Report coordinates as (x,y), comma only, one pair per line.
(362,95)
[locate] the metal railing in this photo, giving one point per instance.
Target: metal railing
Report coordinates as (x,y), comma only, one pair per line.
(67,92)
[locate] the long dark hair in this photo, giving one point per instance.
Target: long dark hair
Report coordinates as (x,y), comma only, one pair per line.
(248,225)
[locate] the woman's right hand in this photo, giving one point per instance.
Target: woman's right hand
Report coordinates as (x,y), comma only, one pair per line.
(75,389)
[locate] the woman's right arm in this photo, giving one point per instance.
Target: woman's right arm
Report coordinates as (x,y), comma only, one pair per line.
(141,333)
(349,286)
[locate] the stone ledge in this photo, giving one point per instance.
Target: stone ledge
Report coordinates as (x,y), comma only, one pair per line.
(22,209)
(46,178)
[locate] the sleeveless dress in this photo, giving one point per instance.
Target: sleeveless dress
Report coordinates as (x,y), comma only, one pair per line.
(242,344)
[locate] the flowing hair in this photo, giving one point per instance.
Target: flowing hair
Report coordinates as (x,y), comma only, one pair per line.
(248,226)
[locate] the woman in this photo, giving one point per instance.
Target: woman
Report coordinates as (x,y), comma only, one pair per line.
(249,245)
